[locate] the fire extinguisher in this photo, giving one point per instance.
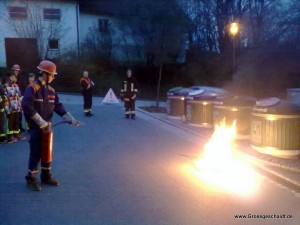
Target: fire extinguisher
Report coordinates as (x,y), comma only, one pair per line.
(47,144)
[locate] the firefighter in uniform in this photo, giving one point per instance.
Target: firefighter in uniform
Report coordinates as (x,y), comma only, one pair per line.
(128,95)
(39,102)
(87,86)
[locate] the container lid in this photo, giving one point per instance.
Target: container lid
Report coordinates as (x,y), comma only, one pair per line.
(183,92)
(266,102)
(234,100)
(174,89)
(217,90)
(205,96)
(196,92)
(283,107)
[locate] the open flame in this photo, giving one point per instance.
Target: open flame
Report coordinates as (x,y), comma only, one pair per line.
(220,166)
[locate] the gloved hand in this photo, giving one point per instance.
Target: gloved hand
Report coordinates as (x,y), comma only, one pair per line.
(70,119)
(40,121)
(47,127)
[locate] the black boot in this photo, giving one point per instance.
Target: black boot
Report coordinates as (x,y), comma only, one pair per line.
(46,178)
(33,184)
(133,116)
(3,140)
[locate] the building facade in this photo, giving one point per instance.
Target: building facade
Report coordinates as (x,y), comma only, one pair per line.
(32,30)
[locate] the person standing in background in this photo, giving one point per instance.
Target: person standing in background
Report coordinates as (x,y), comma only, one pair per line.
(87,86)
(31,78)
(13,109)
(128,95)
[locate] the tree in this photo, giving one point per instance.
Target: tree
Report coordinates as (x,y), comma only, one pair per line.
(210,22)
(159,28)
(98,42)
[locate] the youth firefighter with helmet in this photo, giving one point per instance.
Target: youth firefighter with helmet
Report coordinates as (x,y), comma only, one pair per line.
(39,102)
(128,95)
(87,86)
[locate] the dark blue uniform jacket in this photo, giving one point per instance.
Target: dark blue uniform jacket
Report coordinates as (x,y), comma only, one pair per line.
(41,99)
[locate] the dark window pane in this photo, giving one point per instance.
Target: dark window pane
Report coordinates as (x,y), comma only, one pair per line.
(51,14)
(103,25)
(53,44)
(17,12)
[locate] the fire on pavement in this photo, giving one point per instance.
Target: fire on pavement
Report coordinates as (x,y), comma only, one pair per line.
(220,167)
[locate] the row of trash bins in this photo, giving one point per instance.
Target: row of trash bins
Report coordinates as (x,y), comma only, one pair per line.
(272,125)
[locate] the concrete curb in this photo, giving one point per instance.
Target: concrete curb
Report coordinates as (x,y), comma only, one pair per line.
(168,122)
(262,165)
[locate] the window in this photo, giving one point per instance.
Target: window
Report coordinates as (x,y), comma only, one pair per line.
(53,49)
(51,14)
(17,12)
(53,44)
(103,25)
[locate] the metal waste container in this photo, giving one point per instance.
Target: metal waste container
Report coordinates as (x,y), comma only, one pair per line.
(234,107)
(275,128)
(199,108)
(176,102)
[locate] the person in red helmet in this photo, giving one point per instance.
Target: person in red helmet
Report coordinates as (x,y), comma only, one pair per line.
(39,102)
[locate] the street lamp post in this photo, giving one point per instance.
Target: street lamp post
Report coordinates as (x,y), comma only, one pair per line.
(233,29)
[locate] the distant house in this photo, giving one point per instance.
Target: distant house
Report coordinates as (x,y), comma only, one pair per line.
(38,29)
(32,30)
(101,16)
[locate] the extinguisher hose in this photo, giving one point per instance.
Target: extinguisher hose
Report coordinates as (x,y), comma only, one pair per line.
(63,122)
(59,123)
